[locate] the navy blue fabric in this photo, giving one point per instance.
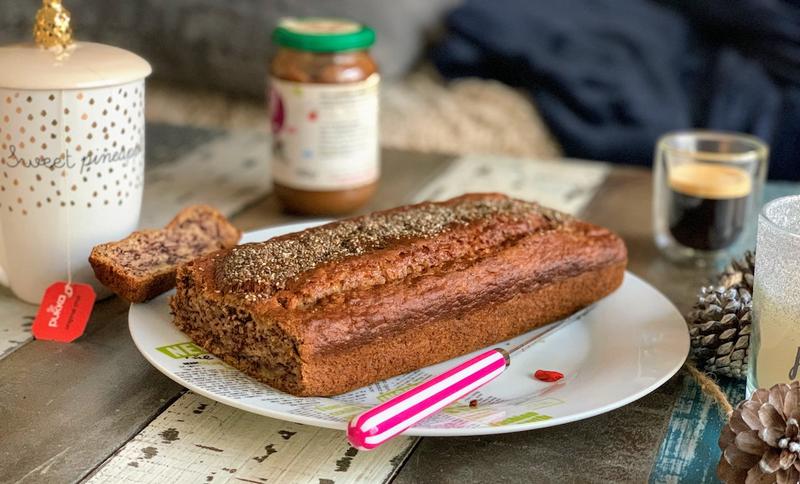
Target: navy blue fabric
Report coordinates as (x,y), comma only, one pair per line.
(611,76)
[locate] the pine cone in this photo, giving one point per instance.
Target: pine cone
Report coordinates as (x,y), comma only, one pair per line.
(761,441)
(739,273)
(719,328)
(719,323)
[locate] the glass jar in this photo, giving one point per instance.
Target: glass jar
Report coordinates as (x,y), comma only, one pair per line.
(323,105)
(774,355)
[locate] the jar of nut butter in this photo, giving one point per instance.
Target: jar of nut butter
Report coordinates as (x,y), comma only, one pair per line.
(323,103)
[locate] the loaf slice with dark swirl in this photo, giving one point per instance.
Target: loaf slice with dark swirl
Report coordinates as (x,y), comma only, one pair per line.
(143,265)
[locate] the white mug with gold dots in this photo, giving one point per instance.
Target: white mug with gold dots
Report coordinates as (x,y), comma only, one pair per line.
(71,159)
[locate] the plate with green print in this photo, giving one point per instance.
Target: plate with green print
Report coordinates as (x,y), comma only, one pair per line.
(626,346)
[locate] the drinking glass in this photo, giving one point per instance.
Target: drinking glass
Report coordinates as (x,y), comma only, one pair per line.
(707,188)
(775,342)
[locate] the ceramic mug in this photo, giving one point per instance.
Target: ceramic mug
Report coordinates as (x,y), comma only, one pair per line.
(71,177)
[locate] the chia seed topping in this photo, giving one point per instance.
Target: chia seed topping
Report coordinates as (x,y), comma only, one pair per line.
(267,266)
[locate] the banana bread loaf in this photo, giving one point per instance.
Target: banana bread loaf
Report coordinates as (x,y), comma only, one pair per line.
(346,304)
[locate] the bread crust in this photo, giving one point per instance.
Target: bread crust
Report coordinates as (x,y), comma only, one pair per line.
(410,302)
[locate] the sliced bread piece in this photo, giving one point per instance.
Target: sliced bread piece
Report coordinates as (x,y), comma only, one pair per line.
(143,265)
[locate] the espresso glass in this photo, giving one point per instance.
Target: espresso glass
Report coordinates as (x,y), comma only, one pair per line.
(707,188)
(775,343)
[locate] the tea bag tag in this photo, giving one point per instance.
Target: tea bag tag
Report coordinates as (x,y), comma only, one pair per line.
(64,312)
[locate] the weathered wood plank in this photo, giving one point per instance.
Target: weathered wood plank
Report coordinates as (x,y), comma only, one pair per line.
(565,185)
(64,407)
(614,447)
(229,172)
(16,318)
(689,452)
(199,440)
(403,174)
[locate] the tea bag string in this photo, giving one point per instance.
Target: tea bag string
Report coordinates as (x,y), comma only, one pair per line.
(65,175)
(68,241)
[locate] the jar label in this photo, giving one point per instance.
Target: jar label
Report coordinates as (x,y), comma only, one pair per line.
(325,136)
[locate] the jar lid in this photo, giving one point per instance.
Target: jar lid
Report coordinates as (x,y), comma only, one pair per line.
(82,65)
(319,34)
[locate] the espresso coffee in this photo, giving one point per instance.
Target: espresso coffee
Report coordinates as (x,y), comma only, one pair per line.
(707,204)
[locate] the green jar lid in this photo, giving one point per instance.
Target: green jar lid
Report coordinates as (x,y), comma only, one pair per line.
(317,34)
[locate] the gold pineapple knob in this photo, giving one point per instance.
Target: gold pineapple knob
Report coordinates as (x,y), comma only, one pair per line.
(52,25)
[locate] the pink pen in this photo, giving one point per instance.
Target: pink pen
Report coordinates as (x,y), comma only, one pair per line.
(389,419)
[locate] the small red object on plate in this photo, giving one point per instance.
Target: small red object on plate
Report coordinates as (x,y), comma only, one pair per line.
(548,375)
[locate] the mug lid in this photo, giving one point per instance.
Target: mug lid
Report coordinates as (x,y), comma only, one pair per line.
(83,65)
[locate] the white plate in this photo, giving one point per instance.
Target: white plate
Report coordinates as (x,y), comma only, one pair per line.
(624,348)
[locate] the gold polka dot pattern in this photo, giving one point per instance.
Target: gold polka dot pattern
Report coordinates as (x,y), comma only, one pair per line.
(71,149)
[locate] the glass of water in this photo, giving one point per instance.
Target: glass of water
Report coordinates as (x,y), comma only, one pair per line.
(775,343)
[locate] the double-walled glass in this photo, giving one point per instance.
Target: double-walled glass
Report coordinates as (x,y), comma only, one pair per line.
(775,342)
(707,190)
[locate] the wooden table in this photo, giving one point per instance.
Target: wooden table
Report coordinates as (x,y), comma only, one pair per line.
(67,408)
